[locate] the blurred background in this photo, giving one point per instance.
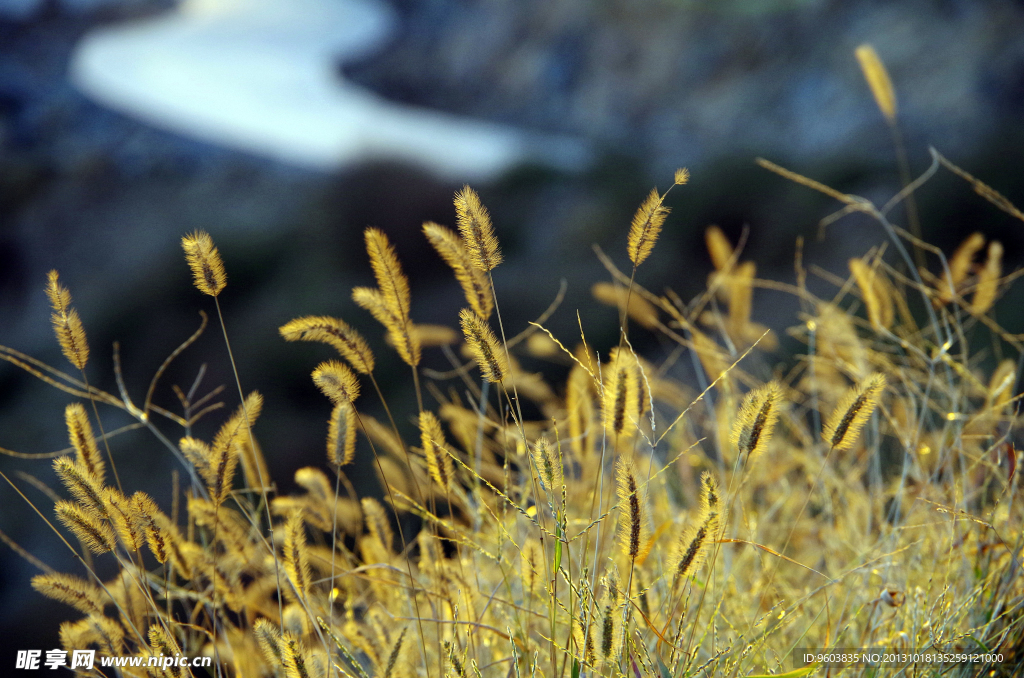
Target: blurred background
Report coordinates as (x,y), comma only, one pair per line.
(285,127)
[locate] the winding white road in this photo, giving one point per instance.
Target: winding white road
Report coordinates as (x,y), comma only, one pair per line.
(261,76)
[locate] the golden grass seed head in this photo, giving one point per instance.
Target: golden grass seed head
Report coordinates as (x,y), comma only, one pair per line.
(439,463)
(71,590)
(393,285)
(711,499)
(203,258)
(83,440)
(124,518)
(268,637)
(476,230)
(336,381)
(878,80)
(960,265)
(377,522)
(198,454)
(400,331)
(107,632)
(681,176)
(756,420)
(293,655)
(394,657)
(719,248)
(151,520)
(335,332)
(583,639)
(580,408)
(164,645)
(427,335)
(634,523)
(484,345)
(96,534)
(315,481)
(296,555)
(475,283)
(875,291)
(692,546)
(853,411)
(66,323)
(549,466)
(1000,386)
(610,622)
(646,227)
(237,428)
(59,296)
(96,630)
(531,566)
(624,393)
(86,488)
(341,435)
(220,475)
(987,288)
(740,287)
(616,399)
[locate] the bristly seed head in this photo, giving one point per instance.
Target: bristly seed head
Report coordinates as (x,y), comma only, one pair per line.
(341,435)
(336,381)
(756,420)
(549,467)
(484,345)
(204,260)
(476,230)
(439,464)
(339,334)
(66,323)
(852,412)
(646,227)
(473,280)
(634,528)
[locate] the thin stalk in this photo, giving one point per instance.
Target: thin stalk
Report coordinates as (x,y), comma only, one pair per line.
(259,471)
